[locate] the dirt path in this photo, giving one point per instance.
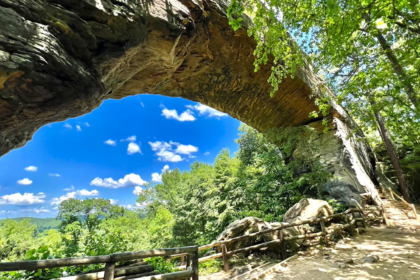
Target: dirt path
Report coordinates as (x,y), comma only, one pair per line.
(398,252)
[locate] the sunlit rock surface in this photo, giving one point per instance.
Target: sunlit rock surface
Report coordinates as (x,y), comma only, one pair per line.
(61,58)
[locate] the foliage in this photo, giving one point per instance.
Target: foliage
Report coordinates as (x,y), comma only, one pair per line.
(42,224)
(16,238)
(162,265)
(337,206)
(210,266)
(263,180)
(367,50)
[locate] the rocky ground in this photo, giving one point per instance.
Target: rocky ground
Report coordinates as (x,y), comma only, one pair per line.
(379,253)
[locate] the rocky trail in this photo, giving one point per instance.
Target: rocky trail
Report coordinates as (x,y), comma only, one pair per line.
(379,253)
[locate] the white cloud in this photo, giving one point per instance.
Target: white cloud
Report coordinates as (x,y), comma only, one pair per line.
(156,177)
(87,124)
(110,142)
(186,149)
(131,138)
(69,189)
(206,110)
(186,116)
(128,181)
(74,194)
(137,190)
(165,155)
(159,145)
(133,148)
(31,168)
(78,128)
(165,152)
(22,199)
(54,175)
(142,105)
(112,201)
(165,168)
(206,153)
(67,125)
(85,192)
(25,181)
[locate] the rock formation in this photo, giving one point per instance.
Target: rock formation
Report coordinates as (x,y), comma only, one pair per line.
(61,58)
(305,209)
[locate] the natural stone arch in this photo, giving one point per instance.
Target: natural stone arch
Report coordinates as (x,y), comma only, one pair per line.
(62,58)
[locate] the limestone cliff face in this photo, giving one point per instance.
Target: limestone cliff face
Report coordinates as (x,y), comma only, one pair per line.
(62,58)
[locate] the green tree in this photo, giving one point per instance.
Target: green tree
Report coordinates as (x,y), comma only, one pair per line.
(16,238)
(358,42)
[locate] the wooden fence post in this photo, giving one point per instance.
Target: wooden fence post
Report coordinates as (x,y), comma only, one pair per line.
(182,259)
(283,250)
(384,216)
(354,218)
(362,215)
(194,257)
(188,261)
(109,271)
(225,258)
(324,230)
(352,233)
(414,210)
(392,194)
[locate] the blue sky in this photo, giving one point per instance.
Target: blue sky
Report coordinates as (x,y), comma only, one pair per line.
(129,140)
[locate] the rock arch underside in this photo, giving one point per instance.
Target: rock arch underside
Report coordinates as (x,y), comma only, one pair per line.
(61,58)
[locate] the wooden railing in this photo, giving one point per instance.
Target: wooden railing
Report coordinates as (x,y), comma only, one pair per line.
(348,216)
(410,206)
(110,261)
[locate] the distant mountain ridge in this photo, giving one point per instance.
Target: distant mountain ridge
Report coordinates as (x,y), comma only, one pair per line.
(42,224)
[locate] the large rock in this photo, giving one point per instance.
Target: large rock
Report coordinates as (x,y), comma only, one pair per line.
(307,208)
(243,227)
(345,194)
(61,58)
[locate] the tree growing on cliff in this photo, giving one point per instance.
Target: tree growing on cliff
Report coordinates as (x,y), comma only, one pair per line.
(349,42)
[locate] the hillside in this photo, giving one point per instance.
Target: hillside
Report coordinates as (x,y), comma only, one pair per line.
(41,223)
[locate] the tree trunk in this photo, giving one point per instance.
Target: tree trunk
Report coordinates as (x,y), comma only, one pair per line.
(391,151)
(398,69)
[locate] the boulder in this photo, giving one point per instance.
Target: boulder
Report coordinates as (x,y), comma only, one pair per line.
(243,227)
(344,193)
(305,209)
